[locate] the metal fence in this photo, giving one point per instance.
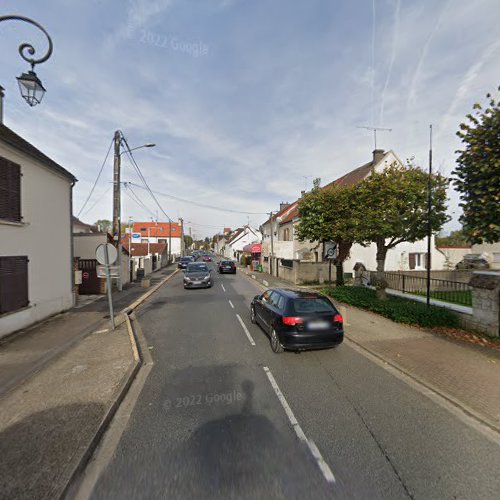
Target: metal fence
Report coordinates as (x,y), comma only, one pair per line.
(454,292)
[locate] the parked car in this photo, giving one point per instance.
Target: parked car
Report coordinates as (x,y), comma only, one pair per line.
(297,320)
(226,266)
(184,261)
(207,258)
(197,275)
(473,261)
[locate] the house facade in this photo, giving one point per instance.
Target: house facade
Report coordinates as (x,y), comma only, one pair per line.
(35,234)
(233,248)
(160,232)
(280,251)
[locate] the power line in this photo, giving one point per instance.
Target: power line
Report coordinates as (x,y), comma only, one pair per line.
(97,179)
(204,205)
(133,196)
(136,166)
(97,201)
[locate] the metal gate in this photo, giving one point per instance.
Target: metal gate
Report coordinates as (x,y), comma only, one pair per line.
(91,284)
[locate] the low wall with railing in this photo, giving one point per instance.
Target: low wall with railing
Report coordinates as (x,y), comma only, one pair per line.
(454,292)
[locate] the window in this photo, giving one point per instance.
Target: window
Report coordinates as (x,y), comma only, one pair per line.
(287,263)
(313,305)
(143,229)
(10,190)
(418,260)
(13,283)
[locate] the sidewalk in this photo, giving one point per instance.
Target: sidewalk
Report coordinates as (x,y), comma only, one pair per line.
(50,423)
(28,351)
(465,374)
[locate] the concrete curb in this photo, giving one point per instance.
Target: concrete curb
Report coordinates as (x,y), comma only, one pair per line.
(450,399)
(125,316)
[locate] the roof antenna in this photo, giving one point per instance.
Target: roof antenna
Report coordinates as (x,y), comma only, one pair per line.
(375,132)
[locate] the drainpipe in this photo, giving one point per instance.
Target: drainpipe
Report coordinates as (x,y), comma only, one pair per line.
(1,103)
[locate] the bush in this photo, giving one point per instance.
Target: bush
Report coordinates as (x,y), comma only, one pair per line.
(395,308)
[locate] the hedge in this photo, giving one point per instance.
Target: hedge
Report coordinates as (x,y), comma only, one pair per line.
(395,308)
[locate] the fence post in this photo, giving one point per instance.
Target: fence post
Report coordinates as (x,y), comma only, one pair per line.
(403,283)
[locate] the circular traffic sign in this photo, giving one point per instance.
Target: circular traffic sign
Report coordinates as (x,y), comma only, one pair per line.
(100,254)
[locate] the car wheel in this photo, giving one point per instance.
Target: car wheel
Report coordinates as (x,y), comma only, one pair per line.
(275,342)
(253,319)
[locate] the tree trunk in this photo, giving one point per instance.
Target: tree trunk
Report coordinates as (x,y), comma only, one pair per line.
(380,282)
(340,273)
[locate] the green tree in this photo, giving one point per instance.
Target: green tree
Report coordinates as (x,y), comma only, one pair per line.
(331,214)
(454,239)
(188,241)
(394,206)
(477,176)
(105,224)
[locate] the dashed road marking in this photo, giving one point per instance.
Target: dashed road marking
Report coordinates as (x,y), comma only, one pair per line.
(222,287)
(246,330)
(231,304)
(323,466)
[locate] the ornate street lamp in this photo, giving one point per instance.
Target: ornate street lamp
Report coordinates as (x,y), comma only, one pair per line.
(30,86)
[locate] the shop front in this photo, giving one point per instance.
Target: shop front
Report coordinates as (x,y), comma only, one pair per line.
(255,250)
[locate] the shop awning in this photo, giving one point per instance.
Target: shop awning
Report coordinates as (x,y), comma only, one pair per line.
(253,248)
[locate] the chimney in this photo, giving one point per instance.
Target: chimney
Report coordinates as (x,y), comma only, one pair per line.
(302,193)
(284,205)
(1,103)
(378,154)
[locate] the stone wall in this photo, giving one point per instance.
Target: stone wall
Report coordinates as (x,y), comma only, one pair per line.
(485,302)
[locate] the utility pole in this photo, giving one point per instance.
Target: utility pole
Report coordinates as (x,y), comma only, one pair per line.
(183,248)
(374,129)
(272,245)
(129,247)
(117,205)
(429,223)
(169,240)
(149,236)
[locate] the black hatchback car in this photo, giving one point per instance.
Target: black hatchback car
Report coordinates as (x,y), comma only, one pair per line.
(226,266)
(297,320)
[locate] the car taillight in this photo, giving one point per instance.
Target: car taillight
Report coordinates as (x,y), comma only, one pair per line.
(338,318)
(292,320)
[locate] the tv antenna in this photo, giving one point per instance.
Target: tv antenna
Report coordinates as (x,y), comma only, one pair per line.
(375,132)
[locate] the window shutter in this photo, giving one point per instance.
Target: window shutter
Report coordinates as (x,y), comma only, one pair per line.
(426,257)
(10,190)
(13,283)
(412,260)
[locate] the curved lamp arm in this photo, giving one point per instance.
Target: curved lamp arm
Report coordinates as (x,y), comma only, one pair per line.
(27,47)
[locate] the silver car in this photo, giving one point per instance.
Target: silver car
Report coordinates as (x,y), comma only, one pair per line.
(197,275)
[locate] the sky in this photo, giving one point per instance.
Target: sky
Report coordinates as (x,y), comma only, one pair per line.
(247,101)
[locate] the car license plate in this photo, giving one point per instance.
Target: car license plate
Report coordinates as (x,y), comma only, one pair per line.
(318,325)
(196,282)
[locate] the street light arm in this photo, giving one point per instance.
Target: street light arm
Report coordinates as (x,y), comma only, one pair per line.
(27,47)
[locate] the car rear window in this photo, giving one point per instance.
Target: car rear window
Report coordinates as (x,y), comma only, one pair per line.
(194,267)
(312,305)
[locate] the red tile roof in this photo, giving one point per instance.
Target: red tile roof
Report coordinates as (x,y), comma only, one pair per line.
(350,179)
(141,249)
(157,229)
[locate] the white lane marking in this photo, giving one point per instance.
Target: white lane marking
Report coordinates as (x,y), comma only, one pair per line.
(222,287)
(324,467)
(246,330)
(231,304)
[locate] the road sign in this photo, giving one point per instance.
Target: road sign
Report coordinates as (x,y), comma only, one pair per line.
(114,271)
(331,250)
(101,256)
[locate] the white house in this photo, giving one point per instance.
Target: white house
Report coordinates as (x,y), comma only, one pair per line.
(160,232)
(36,268)
(241,237)
(286,247)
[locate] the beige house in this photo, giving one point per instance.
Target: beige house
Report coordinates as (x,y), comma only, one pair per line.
(287,250)
(36,268)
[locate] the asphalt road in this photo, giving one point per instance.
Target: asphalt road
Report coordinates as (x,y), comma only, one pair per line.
(209,422)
